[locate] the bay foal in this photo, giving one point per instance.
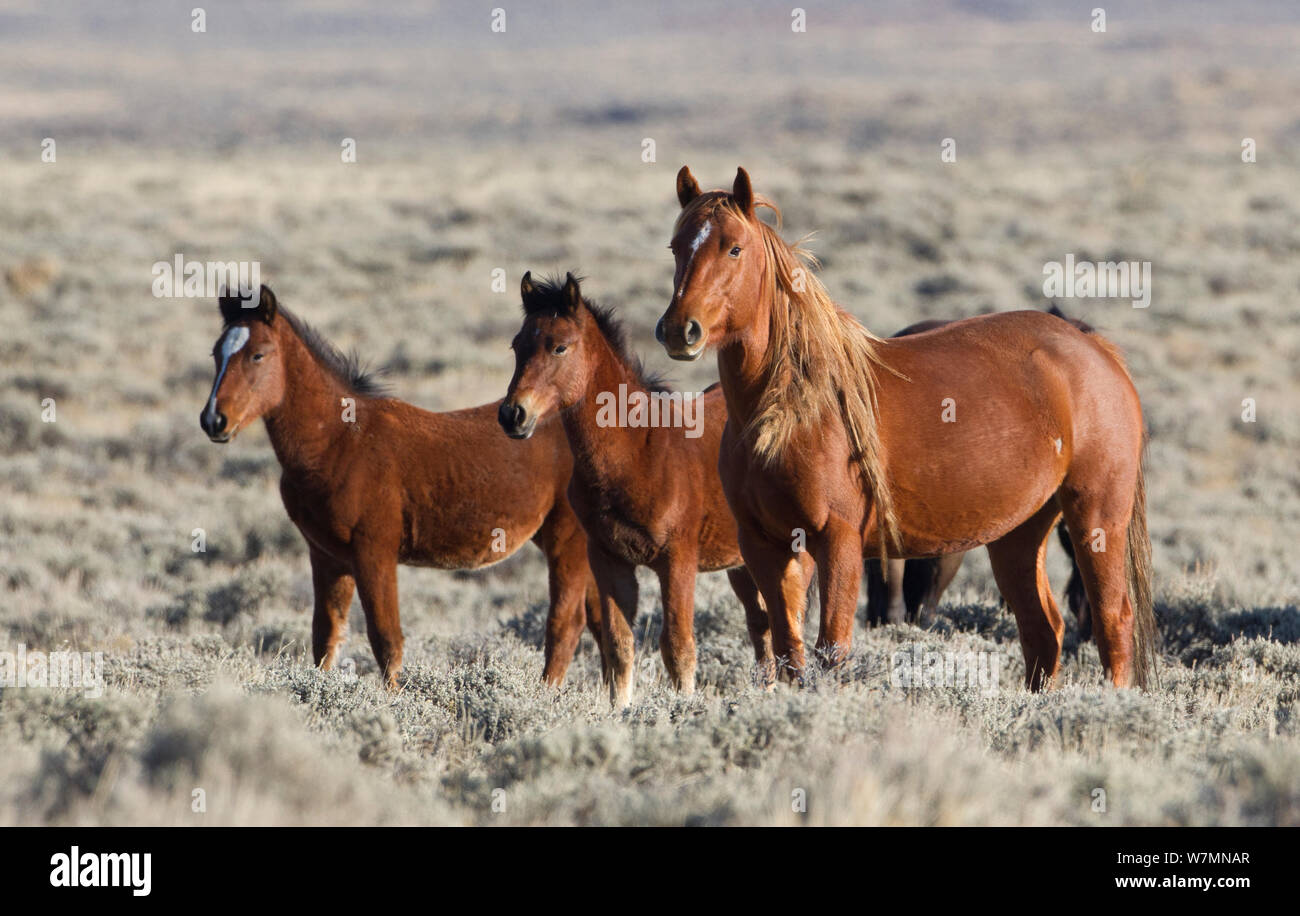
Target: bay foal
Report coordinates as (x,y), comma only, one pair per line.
(982,432)
(647,495)
(372,482)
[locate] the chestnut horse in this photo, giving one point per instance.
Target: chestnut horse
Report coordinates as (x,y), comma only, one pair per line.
(645,487)
(372,482)
(982,432)
(913,588)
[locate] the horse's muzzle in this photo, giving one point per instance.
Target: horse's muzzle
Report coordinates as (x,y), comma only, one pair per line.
(214,424)
(681,341)
(516,422)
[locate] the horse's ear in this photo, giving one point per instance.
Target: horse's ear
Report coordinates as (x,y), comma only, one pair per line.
(572,294)
(687,187)
(526,287)
(267,305)
(743,192)
(243,303)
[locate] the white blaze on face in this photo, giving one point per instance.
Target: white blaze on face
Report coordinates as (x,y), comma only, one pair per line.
(230,344)
(695,248)
(699,239)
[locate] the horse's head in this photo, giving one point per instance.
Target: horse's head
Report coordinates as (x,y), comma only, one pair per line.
(250,370)
(718,245)
(552,352)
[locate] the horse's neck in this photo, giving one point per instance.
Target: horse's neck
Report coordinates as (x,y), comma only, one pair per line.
(603,454)
(745,364)
(306,426)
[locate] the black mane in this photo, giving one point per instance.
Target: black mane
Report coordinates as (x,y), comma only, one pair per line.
(347,367)
(548,299)
(1077,322)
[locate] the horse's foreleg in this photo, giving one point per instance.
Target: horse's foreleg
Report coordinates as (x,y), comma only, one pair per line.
(591,599)
(619,593)
(782,576)
(333,586)
(376,576)
(570,578)
(839,574)
(677,639)
(756,621)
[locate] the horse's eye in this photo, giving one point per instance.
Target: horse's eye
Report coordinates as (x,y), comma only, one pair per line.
(560,350)
(735,251)
(257,357)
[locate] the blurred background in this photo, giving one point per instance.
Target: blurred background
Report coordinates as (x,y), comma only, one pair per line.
(523,149)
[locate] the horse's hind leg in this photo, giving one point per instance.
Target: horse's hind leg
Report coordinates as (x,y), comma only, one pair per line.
(1099,531)
(885,602)
(896,608)
(948,564)
(919,578)
(1017,560)
(877,599)
(756,620)
(1075,596)
(333,586)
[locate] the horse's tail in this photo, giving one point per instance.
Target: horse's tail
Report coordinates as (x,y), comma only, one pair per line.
(1138,569)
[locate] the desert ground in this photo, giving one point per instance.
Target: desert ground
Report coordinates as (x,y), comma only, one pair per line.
(525,149)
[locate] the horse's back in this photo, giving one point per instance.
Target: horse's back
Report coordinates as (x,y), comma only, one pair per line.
(1001,348)
(472,438)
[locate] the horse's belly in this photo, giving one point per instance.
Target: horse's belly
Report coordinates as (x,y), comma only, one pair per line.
(438,542)
(958,500)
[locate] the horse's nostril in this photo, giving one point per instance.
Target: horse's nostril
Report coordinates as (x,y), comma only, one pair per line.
(212,422)
(659,331)
(694,331)
(510,416)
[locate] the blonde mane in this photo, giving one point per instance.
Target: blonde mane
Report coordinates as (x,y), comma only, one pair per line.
(822,364)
